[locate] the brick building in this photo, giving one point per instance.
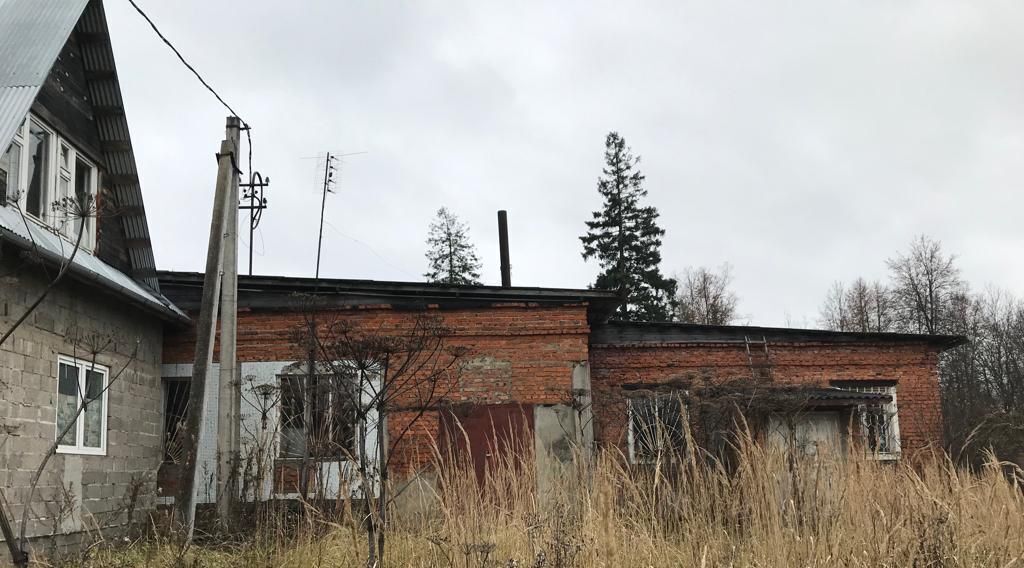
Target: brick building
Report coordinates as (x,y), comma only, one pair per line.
(544,359)
(551,359)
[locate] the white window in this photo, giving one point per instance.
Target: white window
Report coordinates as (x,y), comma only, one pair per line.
(657,428)
(879,423)
(331,433)
(46,174)
(81,384)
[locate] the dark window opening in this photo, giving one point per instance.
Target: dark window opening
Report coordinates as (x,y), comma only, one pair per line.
(657,428)
(331,430)
(176,395)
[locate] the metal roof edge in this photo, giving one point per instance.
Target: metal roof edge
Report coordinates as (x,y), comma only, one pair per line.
(668,332)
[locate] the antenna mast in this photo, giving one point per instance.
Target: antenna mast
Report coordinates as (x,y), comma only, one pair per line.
(328,180)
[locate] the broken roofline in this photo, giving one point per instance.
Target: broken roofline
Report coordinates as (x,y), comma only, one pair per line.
(279,292)
(625,333)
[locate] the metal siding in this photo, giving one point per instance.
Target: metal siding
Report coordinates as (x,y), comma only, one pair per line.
(32,33)
(12,225)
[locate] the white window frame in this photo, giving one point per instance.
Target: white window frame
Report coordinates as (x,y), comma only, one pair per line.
(363,379)
(51,182)
(79,447)
(631,437)
(891,410)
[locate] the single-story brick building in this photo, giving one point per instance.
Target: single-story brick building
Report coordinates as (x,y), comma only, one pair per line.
(552,358)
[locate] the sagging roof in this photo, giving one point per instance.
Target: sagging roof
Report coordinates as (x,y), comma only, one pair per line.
(32,36)
(621,333)
(86,267)
(279,292)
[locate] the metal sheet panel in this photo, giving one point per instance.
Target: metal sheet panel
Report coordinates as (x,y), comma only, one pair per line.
(88,265)
(32,33)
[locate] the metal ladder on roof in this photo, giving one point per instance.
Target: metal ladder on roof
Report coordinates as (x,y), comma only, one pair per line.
(760,361)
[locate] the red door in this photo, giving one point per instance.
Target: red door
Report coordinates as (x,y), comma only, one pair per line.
(487,433)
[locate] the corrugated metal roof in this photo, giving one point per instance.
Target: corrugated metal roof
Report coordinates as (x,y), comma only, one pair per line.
(32,33)
(86,266)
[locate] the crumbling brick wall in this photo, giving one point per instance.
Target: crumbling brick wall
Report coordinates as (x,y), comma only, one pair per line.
(914,367)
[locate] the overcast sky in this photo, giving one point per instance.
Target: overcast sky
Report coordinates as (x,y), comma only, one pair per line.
(801,141)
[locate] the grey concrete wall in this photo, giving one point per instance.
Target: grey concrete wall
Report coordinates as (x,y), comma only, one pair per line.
(76,492)
(556,439)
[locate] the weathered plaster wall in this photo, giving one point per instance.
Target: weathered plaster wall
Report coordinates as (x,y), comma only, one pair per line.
(96,490)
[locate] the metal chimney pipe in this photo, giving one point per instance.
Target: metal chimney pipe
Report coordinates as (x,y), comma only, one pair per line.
(506,274)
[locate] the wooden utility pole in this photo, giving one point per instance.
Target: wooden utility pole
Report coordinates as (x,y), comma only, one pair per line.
(226,173)
(229,393)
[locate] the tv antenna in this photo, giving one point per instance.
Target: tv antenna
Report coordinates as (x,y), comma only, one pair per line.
(329,171)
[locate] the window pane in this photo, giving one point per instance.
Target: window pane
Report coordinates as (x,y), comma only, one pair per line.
(39,153)
(83,190)
(65,157)
(93,414)
(10,162)
(67,402)
(293,434)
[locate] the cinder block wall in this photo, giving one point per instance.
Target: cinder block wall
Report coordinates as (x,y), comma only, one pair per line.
(517,352)
(76,492)
(914,367)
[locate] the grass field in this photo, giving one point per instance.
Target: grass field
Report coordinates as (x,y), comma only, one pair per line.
(769,510)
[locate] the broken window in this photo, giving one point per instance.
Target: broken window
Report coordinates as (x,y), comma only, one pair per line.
(81,384)
(176,393)
(879,422)
(657,428)
(330,432)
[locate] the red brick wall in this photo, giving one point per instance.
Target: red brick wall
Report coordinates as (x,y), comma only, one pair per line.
(515,353)
(914,367)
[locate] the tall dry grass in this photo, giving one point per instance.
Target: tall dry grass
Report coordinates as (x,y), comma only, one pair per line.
(768,509)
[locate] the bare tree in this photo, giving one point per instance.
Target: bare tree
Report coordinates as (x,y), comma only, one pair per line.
(834,314)
(73,211)
(982,381)
(861,306)
(925,283)
(705,296)
(368,373)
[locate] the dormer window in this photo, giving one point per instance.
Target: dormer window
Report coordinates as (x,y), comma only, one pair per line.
(43,173)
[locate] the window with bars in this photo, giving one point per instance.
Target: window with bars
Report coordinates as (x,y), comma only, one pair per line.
(331,430)
(657,428)
(879,423)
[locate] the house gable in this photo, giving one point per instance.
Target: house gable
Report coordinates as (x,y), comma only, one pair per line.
(63,71)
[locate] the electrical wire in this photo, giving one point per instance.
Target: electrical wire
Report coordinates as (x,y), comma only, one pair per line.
(184,62)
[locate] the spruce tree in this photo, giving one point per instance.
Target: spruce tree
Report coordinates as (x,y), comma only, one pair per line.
(451,256)
(625,238)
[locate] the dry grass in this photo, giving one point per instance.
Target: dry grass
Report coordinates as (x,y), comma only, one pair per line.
(769,510)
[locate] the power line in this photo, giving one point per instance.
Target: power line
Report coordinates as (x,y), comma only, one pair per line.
(198,76)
